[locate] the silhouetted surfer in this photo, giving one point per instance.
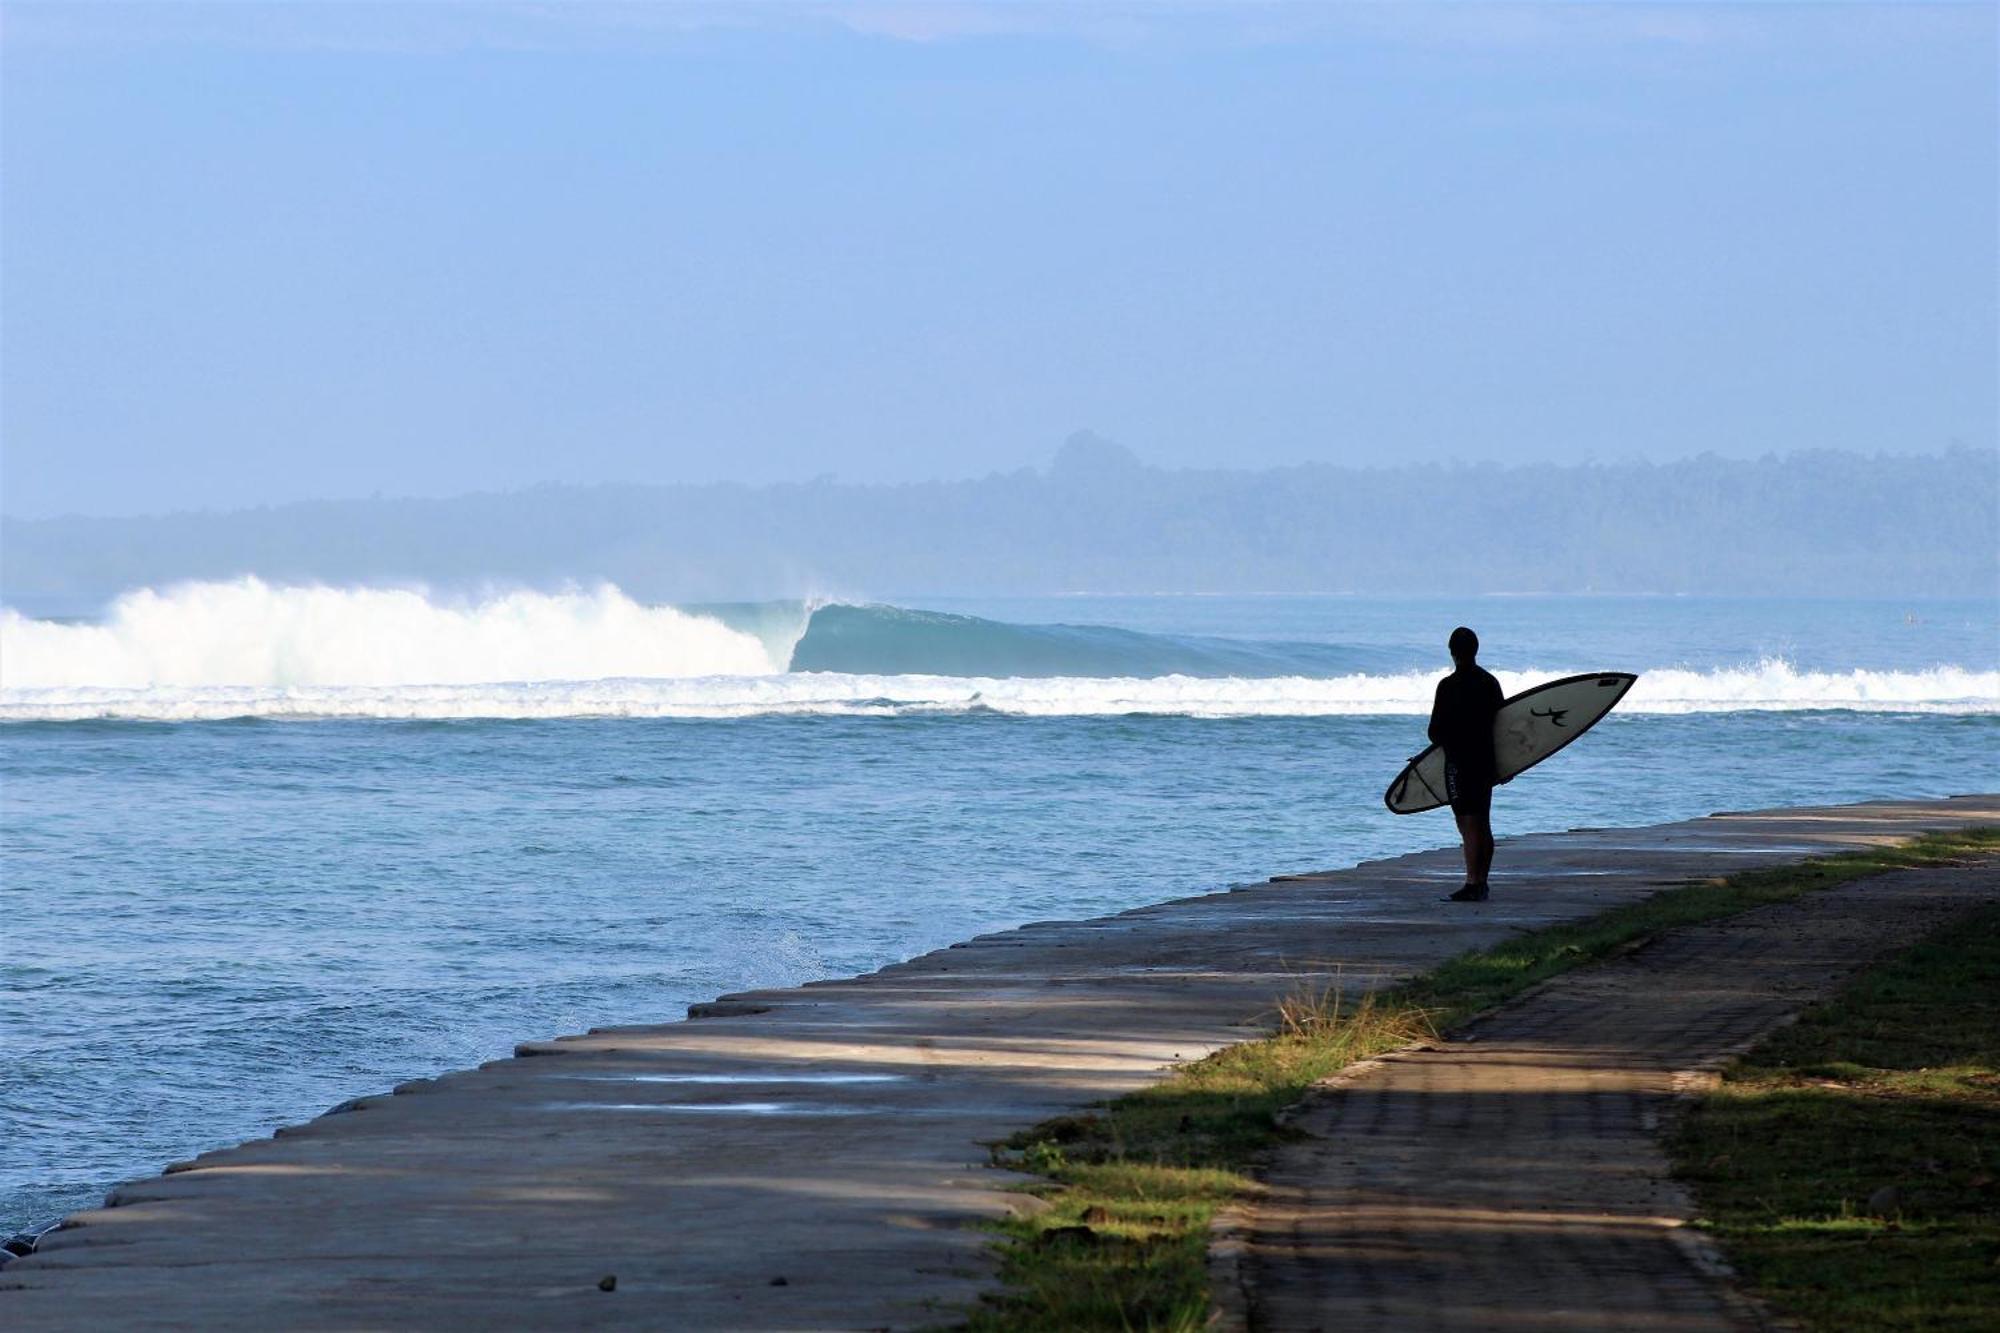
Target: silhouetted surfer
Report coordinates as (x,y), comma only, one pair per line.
(1462,723)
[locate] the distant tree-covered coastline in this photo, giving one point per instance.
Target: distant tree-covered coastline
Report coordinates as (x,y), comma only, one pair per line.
(1100,520)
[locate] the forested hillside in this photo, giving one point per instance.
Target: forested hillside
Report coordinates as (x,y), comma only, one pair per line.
(1100,520)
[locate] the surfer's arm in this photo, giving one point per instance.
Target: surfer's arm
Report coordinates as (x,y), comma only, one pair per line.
(1494,701)
(1436,732)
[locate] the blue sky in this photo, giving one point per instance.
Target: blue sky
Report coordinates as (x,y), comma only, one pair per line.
(257,253)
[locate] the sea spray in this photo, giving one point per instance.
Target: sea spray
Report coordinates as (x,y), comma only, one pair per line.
(247,633)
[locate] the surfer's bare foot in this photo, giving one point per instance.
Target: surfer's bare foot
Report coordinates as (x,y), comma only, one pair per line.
(1471,893)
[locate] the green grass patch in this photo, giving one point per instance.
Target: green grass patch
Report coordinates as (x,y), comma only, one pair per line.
(1850,1165)
(1132,1184)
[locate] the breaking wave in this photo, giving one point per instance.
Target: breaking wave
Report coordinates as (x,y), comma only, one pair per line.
(245,648)
(246,632)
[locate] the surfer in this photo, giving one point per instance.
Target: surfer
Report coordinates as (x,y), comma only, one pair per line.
(1462,724)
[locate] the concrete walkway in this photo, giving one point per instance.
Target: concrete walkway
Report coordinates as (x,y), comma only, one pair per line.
(1513,1178)
(807,1158)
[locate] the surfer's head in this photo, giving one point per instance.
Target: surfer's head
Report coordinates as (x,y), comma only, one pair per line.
(1464,645)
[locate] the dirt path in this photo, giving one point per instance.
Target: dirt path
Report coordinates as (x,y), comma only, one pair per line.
(1513,1179)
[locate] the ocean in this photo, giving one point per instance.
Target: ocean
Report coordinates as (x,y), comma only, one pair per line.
(267,848)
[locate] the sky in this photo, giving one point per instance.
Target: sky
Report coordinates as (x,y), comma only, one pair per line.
(254,253)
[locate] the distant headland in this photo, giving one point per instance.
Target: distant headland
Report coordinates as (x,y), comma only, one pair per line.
(1101,520)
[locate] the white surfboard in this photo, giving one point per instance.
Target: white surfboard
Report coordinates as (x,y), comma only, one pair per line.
(1529,727)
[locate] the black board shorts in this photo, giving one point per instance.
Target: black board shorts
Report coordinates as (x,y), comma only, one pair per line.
(1468,795)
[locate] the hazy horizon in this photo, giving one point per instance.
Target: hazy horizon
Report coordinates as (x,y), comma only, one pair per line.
(1099,518)
(1042,466)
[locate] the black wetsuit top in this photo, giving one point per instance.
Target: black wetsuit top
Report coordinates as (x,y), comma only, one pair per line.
(1462,722)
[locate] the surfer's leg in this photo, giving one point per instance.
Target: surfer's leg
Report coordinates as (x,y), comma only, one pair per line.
(1468,811)
(1460,815)
(1474,890)
(1474,810)
(1468,833)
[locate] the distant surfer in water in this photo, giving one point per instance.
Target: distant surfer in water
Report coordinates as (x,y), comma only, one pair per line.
(1462,724)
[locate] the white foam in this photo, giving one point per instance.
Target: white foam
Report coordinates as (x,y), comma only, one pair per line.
(266,638)
(1770,685)
(247,648)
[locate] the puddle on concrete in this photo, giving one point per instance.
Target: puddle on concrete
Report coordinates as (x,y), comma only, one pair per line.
(708,1108)
(1701,848)
(1564,873)
(753,1076)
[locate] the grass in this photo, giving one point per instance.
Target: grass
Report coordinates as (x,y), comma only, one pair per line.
(1132,1184)
(1850,1165)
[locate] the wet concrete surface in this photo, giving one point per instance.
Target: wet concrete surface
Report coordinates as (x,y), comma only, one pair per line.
(813,1157)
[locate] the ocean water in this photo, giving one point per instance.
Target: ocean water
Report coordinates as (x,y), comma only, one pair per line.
(266,848)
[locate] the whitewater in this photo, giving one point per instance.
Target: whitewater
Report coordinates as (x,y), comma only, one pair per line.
(249,632)
(250,649)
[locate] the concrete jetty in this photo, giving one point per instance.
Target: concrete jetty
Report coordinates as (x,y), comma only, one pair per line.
(814,1157)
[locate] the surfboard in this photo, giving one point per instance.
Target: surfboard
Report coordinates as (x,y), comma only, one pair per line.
(1529,727)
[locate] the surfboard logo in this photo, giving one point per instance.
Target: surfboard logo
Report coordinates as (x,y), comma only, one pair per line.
(1554,715)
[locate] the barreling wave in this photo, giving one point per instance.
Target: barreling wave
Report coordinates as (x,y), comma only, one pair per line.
(1766,686)
(894,641)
